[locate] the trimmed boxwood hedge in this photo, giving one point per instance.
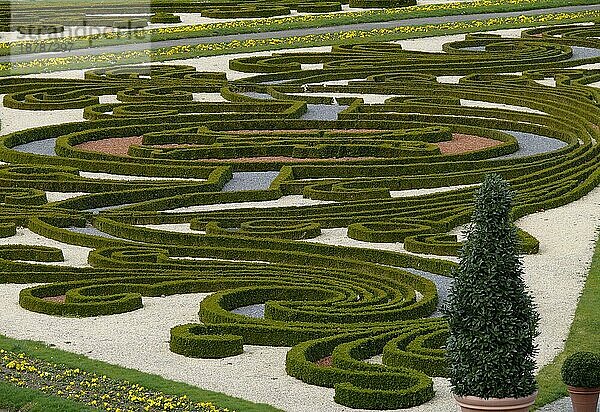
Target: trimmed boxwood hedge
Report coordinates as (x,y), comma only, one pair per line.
(8,229)
(385,231)
(319,7)
(347,303)
(200,341)
(382,3)
(165,18)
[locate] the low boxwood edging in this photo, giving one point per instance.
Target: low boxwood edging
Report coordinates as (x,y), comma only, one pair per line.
(387,232)
(262,228)
(201,341)
(8,229)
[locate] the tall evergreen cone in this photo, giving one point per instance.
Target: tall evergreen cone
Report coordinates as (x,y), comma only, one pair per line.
(491,315)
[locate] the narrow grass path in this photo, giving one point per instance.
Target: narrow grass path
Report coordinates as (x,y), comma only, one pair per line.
(583,336)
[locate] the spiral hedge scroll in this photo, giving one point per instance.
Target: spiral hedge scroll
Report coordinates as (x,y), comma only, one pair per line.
(363,144)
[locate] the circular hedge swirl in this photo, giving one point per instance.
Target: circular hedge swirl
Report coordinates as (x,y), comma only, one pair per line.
(302,129)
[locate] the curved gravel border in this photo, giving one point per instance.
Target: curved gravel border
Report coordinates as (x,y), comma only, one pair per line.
(531,144)
(74,256)
(250,181)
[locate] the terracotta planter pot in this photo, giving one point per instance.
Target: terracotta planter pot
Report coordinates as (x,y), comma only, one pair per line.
(475,404)
(584,399)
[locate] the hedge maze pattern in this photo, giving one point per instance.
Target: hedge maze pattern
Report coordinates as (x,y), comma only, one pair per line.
(324,301)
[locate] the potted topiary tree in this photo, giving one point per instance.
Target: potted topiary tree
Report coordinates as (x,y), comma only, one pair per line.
(581,373)
(491,315)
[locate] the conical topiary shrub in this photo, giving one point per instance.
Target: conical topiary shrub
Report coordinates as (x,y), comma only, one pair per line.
(490,313)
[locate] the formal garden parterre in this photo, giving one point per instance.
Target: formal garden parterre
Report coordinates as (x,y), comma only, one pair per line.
(311,202)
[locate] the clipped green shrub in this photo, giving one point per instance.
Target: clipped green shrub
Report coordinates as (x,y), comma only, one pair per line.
(491,317)
(165,18)
(41,28)
(582,369)
(263,228)
(319,7)
(130,24)
(380,392)
(387,232)
(418,351)
(245,11)
(200,341)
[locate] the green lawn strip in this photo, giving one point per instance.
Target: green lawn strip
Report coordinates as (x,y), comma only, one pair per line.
(14,399)
(584,335)
(285,23)
(154,382)
(254,45)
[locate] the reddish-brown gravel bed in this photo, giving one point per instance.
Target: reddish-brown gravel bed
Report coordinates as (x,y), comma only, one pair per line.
(56,299)
(460,143)
(117,146)
(325,362)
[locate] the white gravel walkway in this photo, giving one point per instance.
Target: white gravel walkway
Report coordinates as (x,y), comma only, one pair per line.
(75,256)
(14,120)
(284,201)
(112,176)
(339,237)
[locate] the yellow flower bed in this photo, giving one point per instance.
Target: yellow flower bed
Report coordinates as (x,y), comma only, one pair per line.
(98,391)
(265,23)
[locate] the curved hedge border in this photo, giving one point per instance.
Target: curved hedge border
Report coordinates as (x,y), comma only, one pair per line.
(328,302)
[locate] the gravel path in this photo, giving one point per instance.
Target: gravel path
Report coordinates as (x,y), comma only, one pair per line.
(74,256)
(100,209)
(250,181)
(555,277)
(257,375)
(58,196)
(443,284)
(561,405)
(580,53)
(339,236)
(491,105)
(532,144)
(90,230)
(42,147)
(322,111)
(284,201)
(112,176)
(253,311)
(256,95)
(14,120)
(421,192)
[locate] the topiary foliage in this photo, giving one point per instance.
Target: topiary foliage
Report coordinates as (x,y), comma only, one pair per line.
(582,369)
(492,319)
